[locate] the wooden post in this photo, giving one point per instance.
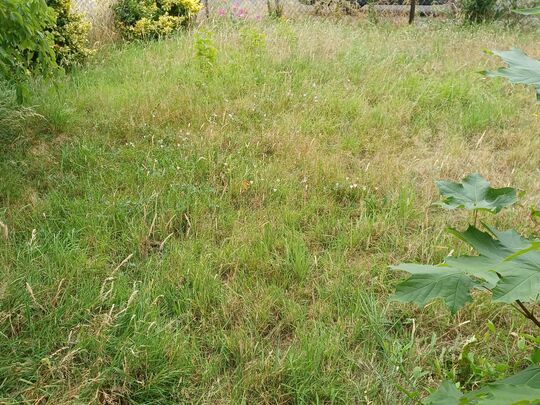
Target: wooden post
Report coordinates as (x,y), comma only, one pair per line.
(412,10)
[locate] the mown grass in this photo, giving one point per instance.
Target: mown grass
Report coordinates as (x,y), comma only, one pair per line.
(191,232)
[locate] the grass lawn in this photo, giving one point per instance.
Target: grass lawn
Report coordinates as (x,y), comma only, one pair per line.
(183,230)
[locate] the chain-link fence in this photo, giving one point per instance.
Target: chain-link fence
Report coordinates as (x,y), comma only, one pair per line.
(99,12)
(255,9)
(292,8)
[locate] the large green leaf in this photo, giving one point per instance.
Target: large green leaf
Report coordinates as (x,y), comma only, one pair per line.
(429,283)
(475,193)
(528,11)
(530,376)
(509,275)
(499,248)
(521,68)
(477,266)
(519,274)
(520,279)
(533,246)
(446,394)
(519,389)
(504,394)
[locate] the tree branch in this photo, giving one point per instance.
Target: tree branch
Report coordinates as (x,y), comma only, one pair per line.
(528,314)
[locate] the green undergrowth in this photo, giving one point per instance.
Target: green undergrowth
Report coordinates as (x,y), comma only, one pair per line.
(210,220)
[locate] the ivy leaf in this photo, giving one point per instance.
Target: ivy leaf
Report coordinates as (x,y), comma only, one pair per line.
(475,193)
(521,68)
(429,283)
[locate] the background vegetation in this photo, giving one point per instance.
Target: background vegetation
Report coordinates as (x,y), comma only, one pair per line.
(209,218)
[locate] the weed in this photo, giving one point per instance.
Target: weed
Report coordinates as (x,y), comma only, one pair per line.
(205,49)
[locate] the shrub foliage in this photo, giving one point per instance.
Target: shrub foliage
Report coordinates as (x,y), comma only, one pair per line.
(70,33)
(37,36)
(139,19)
(25,44)
(477,11)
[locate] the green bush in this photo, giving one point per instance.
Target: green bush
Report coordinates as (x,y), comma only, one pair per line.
(477,11)
(70,33)
(25,44)
(37,36)
(138,19)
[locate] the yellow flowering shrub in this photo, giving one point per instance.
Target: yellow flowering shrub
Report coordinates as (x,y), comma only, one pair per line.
(139,19)
(70,34)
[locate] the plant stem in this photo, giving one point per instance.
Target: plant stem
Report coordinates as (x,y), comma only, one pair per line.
(528,314)
(475,217)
